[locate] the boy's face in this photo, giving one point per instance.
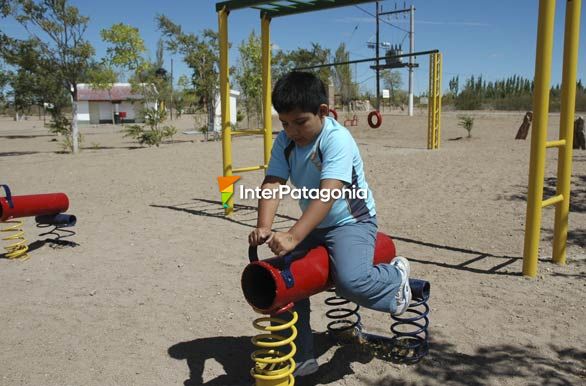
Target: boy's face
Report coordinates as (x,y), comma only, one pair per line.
(303,127)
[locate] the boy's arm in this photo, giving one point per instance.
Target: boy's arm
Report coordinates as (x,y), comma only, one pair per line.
(315,212)
(283,242)
(267,208)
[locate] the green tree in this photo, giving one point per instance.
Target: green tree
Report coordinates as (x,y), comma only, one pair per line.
(58,30)
(126,51)
(184,97)
(5,76)
(342,75)
(454,85)
(201,54)
(393,81)
(249,76)
(126,48)
(302,57)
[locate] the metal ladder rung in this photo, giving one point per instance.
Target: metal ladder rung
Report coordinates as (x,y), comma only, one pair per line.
(552,200)
(249,168)
(558,143)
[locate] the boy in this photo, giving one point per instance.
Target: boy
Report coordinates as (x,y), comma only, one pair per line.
(314,151)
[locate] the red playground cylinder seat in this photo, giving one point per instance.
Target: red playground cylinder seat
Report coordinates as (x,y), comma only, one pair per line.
(271,284)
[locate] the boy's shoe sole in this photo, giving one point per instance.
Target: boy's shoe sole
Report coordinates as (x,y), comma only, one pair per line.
(304,368)
(404,293)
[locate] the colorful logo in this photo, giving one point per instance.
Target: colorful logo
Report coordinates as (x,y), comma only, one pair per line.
(226,185)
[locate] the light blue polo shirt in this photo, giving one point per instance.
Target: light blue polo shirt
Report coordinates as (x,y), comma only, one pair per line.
(340,159)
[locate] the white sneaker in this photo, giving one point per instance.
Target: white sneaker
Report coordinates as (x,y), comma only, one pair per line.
(304,368)
(403,296)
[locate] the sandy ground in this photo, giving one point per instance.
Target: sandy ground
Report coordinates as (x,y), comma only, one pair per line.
(151,296)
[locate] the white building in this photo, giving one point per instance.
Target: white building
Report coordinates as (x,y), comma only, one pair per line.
(233,110)
(118,104)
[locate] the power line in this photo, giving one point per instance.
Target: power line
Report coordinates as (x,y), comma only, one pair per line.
(384,21)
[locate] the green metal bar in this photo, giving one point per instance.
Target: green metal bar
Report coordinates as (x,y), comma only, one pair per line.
(239,4)
(263,9)
(284,9)
(316,5)
(279,6)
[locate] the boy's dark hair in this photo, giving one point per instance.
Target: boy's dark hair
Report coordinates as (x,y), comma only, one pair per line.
(299,90)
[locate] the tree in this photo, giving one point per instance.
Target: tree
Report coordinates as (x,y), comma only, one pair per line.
(392,80)
(201,54)
(34,82)
(58,30)
(286,61)
(342,75)
(454,85)
(184,97)
(5,76)
(126,48)
(126,51)
(249,75)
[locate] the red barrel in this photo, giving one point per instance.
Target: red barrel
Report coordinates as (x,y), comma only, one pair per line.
(33,205)
(266,291)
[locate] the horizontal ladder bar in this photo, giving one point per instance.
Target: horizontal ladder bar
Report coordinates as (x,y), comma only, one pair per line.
(552,200)
(558,143)
(247,132)
(249,169)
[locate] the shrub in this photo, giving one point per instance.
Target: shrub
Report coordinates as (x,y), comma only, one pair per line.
(466,122)
(152,134)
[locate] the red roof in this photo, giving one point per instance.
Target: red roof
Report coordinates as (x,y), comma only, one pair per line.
(119,92)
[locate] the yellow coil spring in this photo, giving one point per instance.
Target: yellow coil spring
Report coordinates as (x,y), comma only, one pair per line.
(18,249)
(273,367)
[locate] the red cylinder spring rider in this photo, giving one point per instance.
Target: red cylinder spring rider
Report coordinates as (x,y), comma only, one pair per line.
(271,287)
(46,208)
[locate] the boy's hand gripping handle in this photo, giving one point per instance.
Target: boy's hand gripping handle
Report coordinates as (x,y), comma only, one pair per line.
(287,260)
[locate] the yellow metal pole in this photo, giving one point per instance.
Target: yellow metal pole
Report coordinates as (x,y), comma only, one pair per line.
(439,101)
(266,88)
(568,104)
(430,102)
(225,102)
(538,135)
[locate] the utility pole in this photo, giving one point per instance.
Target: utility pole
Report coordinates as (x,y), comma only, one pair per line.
(411,65)
(377,60)
(411,50)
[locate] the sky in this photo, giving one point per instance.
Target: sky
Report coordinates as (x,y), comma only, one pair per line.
(495,39)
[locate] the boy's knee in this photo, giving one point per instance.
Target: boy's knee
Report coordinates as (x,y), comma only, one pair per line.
(354,289)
